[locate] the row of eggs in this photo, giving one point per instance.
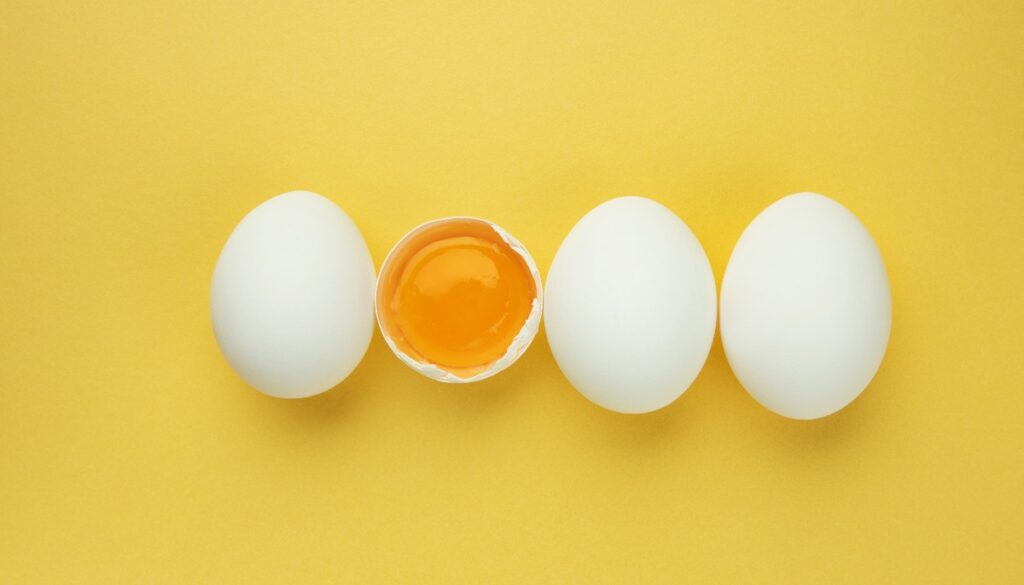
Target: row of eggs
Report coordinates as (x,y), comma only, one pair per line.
(629,306)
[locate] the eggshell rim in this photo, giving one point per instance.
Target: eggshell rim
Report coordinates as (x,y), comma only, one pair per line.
(520,343)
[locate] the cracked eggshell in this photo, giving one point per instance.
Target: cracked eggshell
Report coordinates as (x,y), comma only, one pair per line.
(519,344)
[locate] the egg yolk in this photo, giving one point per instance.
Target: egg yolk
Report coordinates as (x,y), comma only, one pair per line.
(458,297)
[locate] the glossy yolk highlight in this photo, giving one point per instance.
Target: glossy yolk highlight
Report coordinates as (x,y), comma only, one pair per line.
(460,301)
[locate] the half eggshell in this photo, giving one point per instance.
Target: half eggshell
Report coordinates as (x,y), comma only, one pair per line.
(391,271)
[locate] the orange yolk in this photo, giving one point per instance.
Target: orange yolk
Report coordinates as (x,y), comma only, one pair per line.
(456,295)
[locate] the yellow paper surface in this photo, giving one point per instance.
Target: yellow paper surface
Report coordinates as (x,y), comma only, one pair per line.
(134,136)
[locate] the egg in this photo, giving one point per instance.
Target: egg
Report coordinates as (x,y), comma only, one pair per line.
(292,296)
(630,306)
(459,299)
(806,307)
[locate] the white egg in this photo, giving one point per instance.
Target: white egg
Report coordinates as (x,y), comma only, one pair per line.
(806,307)
(292,296)
(630,306)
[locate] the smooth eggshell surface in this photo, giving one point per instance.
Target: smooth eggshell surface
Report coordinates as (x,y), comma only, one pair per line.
(292,296)
(630,306)
(806,307)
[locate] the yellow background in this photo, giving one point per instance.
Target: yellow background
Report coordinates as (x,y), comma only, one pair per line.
(134,137)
